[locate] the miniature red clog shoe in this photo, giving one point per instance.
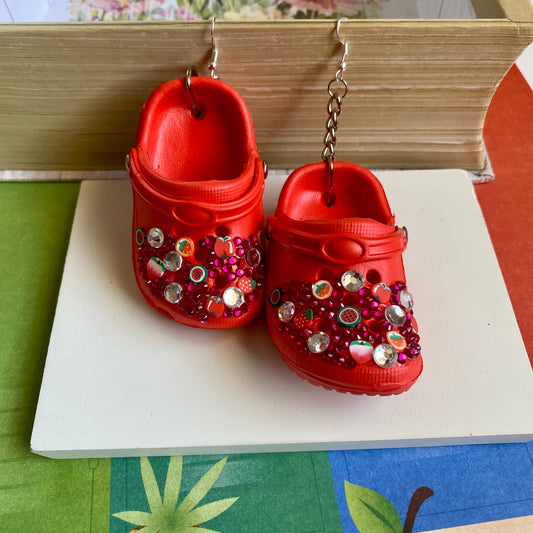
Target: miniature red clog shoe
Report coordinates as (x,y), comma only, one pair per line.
(338,308)
(198,250)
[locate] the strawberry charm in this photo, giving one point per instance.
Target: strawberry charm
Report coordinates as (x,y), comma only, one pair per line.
(304,319)
(247,285)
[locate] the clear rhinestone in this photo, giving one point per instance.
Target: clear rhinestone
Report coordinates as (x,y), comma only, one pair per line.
(385,356)
(253,257)
(155,238)
(318,342)
(406,300)
(233,297)
(395,315)
(173,261)
(286,311)
(353,280)
(173,293)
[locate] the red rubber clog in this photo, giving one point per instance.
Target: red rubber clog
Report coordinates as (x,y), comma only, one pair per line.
(198,249)
(338,307)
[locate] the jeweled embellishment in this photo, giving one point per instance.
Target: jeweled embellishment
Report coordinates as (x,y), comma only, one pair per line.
(349,316)
(155,268)
(322,289)
(318,342)
(395,315)
(185,247)
(173,261)
(233,297)
(252,257)
(381,293)
(139,237)
(275,297)
(396,340)
(215,306)
(224,247)
(385,356)
(361,351)
(286,311)
(406,300)
(173,293)
(155,238)
(353,280)
(198,274)
(386,328)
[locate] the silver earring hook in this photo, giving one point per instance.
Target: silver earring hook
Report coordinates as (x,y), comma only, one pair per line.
(344,44)
(214,51)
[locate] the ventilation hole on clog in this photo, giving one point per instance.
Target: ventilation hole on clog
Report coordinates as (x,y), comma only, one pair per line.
(324,273)
(222,231)
(198,111)
(373,277)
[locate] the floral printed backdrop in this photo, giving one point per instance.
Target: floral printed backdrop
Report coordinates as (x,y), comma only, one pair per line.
(85,10)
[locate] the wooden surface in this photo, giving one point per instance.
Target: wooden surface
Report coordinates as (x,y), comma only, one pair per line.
(70,94)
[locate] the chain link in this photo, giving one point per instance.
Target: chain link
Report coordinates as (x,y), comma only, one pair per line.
(337,90)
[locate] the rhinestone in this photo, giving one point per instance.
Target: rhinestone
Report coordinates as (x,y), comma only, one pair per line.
(173,261)
(286,311)
(322,289)
(318,342)
(385,356)
(155,238)
(139,237)
(395,315)
(173,293)
(353,280)
(406,300)
(252,257)
(233,297)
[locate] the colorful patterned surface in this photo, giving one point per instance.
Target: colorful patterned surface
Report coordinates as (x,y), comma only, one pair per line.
(300,492)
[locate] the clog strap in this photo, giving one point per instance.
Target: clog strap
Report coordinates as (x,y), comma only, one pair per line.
(196,213)
(340,248)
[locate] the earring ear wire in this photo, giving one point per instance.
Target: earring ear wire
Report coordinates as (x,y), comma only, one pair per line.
(214,51)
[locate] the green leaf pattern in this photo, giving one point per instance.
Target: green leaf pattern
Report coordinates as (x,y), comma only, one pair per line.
(370,511)
(164,517)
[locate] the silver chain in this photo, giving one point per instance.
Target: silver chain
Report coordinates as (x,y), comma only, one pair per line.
(337,90)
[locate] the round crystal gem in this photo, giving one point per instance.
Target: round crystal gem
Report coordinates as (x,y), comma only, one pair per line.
(318,342)
(173,293)
(406,300)
(286,311)
(395,315)
(385,356)
(155,238)
(173,261)
(353,280)
(253,257)
(233,297)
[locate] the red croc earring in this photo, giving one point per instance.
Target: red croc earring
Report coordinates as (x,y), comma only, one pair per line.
(198,181)
(338,309)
